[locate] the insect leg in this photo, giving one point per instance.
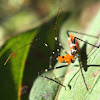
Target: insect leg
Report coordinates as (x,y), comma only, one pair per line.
(72,79)
(82,34)
(53,81)
(60,45)
(81,68)
(87,42)
(49,69)
(83,75)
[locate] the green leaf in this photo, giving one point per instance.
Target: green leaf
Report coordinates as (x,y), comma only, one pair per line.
(18,74)
(11,75)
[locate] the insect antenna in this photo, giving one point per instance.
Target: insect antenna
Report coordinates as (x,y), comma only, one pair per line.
(15,52)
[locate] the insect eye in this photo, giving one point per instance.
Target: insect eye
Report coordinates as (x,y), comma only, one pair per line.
(62,56)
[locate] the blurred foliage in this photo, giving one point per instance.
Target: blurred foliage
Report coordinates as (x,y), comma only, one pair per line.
(21,15)
(23,21)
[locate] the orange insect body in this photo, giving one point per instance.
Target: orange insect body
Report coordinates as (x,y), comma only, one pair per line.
(65,59)
(70,43)
(73,53)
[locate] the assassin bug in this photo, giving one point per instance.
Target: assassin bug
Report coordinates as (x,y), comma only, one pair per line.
(70,57)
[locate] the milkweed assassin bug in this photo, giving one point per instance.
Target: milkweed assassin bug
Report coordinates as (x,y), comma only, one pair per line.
(70,57)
